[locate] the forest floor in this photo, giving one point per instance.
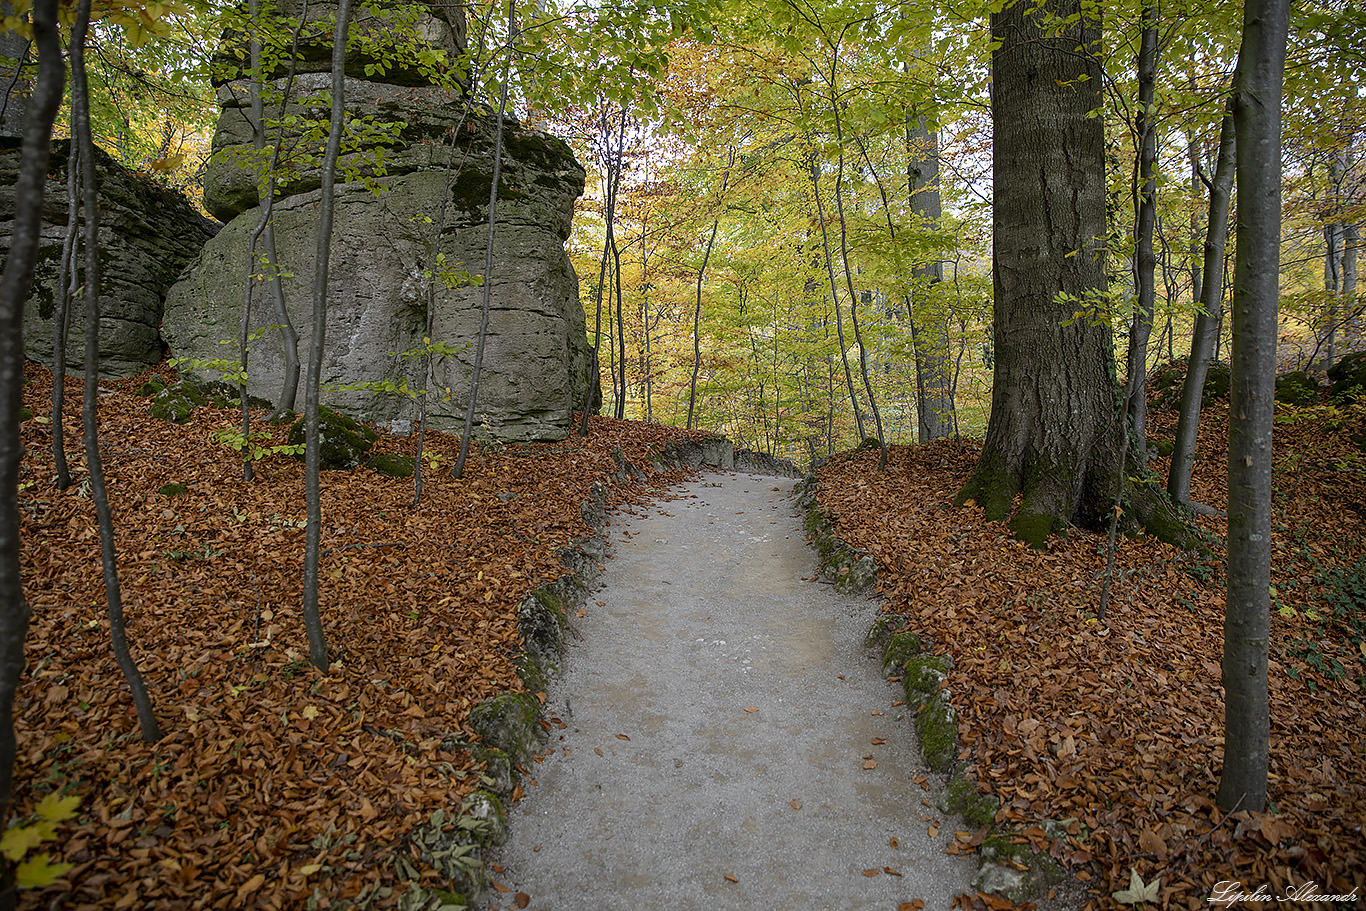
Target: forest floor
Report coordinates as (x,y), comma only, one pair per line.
(275,783)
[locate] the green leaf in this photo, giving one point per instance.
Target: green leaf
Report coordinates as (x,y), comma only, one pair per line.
(37,872)
(1137,893)
(16,842)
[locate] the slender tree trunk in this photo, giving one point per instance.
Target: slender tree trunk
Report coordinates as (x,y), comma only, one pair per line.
(317,641)
(934,398)
(1193,153)
(610,176)
(621,325)
(66,289)
(1145,208)
(488,248)
(1252,389)
(15,283)
(835,297)
(848,272)
(14,80)
(1210,305)
(80,121)
(697,322)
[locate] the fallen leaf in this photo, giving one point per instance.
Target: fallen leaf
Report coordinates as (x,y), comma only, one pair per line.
(796,804)
(896,845)
(872,872)
(499,886)
(878,741)
(890,872)
(732,878)
(622,737)
(1150,842)
(750,709)
(1137,892)
(521,900)
(934,831)
(870,763)
(597,750)
(915,905)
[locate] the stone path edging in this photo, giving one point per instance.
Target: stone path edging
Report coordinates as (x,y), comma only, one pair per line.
(923,676)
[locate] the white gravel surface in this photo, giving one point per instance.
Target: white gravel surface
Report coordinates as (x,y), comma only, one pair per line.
(721,717)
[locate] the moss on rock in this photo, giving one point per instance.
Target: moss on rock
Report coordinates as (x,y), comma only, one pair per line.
(900,649)
(1296,388)
(962,797)
(508,722)
(1349,376)
(392,465)
(176,403)
(344,441)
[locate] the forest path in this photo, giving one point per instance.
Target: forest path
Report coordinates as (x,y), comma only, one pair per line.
(724,719)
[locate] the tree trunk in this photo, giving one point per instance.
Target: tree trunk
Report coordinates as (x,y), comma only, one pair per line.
(1252,389)
(15,283)
(835,296)
(80,123)
(1052,432)
(697,321)
(1145,217)
(488,248)
(317,641)
(1211,306)
(933,360)
(14,81)
(67,283)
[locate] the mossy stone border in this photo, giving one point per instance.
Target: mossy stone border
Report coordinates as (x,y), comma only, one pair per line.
(924,677)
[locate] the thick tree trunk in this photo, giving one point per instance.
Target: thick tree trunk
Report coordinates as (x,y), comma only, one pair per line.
(1208,320)
(14,288)
(1252,389)
(1052,434)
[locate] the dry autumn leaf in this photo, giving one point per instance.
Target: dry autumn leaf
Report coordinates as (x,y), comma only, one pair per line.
(890,872)
(732,878)
(751,709)
(914,905)
(895,845)
(870,763)
(521,900)
(795,804)
(871,872)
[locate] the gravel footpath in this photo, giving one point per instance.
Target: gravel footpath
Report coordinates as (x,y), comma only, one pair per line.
(728,740)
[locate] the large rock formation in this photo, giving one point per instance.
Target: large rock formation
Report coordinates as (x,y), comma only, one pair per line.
(415,196)
(147,236)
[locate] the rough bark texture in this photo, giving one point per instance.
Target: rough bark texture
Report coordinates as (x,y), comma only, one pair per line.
(14,287)
(1257,118)
(1052,433)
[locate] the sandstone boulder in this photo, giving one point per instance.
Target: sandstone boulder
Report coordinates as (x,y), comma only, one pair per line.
(147,235)
(411,203)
